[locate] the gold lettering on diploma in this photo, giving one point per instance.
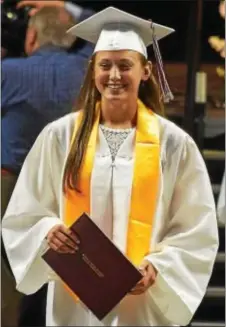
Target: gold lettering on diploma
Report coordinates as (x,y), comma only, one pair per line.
(92,266)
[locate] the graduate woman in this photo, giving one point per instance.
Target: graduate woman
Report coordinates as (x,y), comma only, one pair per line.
(140,178)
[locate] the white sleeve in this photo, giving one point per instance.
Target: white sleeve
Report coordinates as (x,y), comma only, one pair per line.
(32,211)
(188,250)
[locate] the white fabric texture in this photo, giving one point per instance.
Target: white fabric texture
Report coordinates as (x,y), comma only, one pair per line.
(184,241)
(120,37)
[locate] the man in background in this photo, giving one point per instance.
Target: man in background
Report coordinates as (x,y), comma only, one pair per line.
(35,91)
(43,86)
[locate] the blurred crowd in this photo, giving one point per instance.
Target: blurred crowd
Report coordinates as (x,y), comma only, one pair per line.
(42,71)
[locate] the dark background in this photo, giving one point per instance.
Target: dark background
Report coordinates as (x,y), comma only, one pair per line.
(175,14)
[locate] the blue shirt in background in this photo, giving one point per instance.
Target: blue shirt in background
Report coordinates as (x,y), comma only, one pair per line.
(35,91)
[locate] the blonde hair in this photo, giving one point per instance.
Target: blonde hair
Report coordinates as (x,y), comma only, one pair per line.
(51,25)
(149,94)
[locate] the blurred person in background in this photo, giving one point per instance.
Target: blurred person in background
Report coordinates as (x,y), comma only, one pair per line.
(35,90)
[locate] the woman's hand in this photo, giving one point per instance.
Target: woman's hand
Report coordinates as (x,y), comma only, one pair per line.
(62,240)
(149,273)
(38,4)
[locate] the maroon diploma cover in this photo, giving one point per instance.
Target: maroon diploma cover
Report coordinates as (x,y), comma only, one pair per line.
(98,273)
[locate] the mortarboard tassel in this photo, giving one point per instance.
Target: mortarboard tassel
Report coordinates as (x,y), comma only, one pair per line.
(164,86)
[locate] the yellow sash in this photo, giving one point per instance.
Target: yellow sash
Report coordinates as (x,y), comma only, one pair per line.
(145,185)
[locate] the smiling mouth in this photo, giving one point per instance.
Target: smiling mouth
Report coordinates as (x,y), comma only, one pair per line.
(115,87)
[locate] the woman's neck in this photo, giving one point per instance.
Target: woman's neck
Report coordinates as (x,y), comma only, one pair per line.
(118,115)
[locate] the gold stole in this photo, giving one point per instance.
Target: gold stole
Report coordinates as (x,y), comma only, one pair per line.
(145,185)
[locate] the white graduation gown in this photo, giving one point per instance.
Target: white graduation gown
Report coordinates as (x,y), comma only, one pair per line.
(184,242)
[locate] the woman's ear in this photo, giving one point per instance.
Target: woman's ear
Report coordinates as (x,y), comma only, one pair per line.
(147,71)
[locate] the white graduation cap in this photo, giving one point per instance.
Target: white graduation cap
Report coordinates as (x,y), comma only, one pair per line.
(112,29)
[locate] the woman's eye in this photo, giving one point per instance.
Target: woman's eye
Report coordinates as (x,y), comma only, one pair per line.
(121,67)
(105,66)
(124,67)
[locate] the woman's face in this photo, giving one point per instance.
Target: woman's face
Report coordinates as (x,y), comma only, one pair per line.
(118,74)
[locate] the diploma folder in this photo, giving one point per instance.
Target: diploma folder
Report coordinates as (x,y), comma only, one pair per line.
(98,273)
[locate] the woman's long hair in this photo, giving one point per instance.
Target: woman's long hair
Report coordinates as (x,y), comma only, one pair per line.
(148,93)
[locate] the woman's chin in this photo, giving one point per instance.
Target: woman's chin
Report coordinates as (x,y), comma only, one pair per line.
(116,96)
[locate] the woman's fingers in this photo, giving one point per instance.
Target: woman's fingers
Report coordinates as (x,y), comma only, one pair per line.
(138,288)
(149,275)
(70,234)
(66,240)
(136,292)
(62,239)
(61,247)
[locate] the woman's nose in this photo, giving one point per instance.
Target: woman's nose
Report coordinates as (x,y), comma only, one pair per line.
(114,74)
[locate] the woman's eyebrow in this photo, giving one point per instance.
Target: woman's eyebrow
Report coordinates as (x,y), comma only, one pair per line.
(104,59)
(126,60)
